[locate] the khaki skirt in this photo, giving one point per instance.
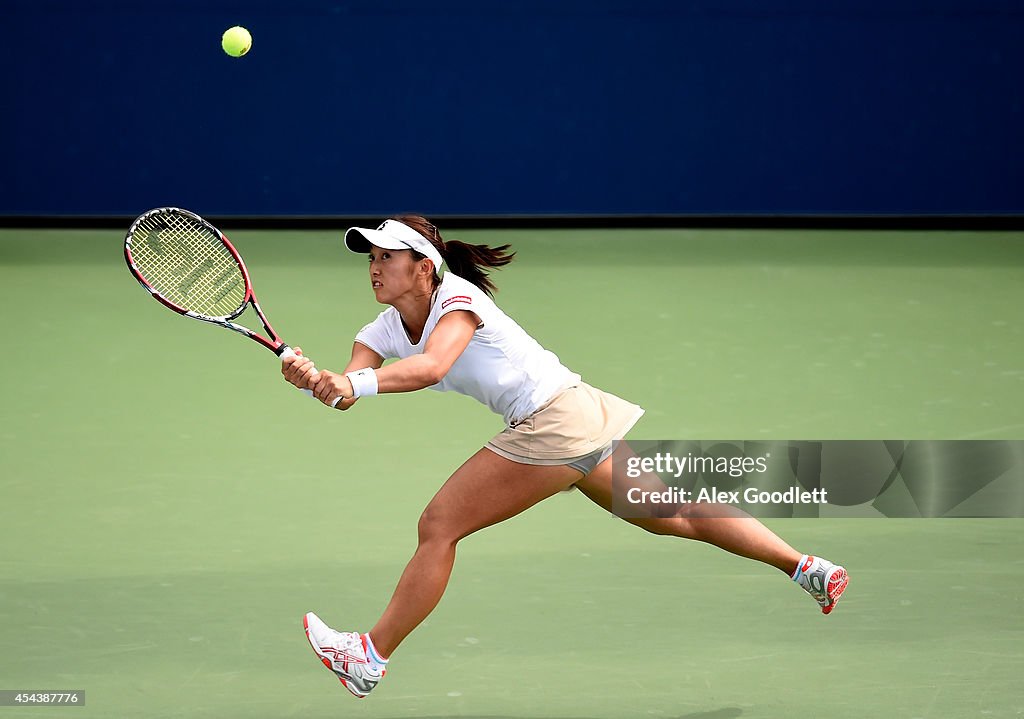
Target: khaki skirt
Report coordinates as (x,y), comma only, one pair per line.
(576,422)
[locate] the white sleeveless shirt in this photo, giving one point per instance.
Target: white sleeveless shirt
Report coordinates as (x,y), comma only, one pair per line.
(503,367)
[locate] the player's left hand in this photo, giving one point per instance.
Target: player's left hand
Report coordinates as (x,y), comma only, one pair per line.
(328,386)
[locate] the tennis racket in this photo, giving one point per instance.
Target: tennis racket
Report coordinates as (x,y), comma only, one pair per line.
(189,266)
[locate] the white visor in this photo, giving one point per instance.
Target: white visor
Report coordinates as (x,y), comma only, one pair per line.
(392,235)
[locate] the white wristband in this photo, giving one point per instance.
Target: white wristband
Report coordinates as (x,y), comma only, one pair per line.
(364,382)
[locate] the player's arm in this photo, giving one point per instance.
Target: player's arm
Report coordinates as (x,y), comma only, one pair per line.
(299,370)
(446,342)
(362,356)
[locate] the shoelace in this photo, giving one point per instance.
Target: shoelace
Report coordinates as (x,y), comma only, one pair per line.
(347,642)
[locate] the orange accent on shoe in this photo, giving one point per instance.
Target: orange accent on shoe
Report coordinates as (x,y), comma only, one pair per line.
(836,586)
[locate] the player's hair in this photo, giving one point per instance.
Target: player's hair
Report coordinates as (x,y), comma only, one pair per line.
(467,261)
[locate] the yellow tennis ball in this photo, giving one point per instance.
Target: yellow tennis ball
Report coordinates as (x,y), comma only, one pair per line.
(236,41)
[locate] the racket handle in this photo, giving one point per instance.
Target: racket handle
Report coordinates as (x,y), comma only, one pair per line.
(287,352)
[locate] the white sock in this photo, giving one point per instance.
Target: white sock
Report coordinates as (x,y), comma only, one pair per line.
(371,652)
(802,566)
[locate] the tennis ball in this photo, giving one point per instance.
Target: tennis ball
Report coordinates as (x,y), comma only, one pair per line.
(236,41)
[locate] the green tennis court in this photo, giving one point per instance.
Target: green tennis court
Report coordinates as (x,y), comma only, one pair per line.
(169,507)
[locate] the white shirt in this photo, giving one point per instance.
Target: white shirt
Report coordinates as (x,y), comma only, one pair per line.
(503,367)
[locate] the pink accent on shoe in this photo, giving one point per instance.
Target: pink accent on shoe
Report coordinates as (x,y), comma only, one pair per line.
(836,586)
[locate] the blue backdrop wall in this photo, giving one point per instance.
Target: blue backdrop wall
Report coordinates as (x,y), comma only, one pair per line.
(518,107)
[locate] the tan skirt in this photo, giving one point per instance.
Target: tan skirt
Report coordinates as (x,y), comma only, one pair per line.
(576,422)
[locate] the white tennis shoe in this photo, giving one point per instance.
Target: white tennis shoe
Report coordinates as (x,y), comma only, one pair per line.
(345,654)
(823,580)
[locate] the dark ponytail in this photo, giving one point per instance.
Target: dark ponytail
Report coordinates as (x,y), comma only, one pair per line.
(465,260)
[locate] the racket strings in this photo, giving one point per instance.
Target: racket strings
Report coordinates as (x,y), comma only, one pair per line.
(189,265)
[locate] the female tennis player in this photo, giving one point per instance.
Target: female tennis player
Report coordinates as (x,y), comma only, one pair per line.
(447,334)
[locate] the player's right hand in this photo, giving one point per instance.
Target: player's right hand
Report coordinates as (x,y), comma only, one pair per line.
(298,369)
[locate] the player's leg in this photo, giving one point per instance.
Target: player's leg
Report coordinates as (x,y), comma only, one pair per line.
(718,524)
(726,527)
(487,489)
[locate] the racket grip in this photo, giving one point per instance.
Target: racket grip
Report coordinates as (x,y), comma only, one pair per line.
(287,352)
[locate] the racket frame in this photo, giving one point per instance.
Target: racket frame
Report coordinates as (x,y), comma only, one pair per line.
(274,343)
